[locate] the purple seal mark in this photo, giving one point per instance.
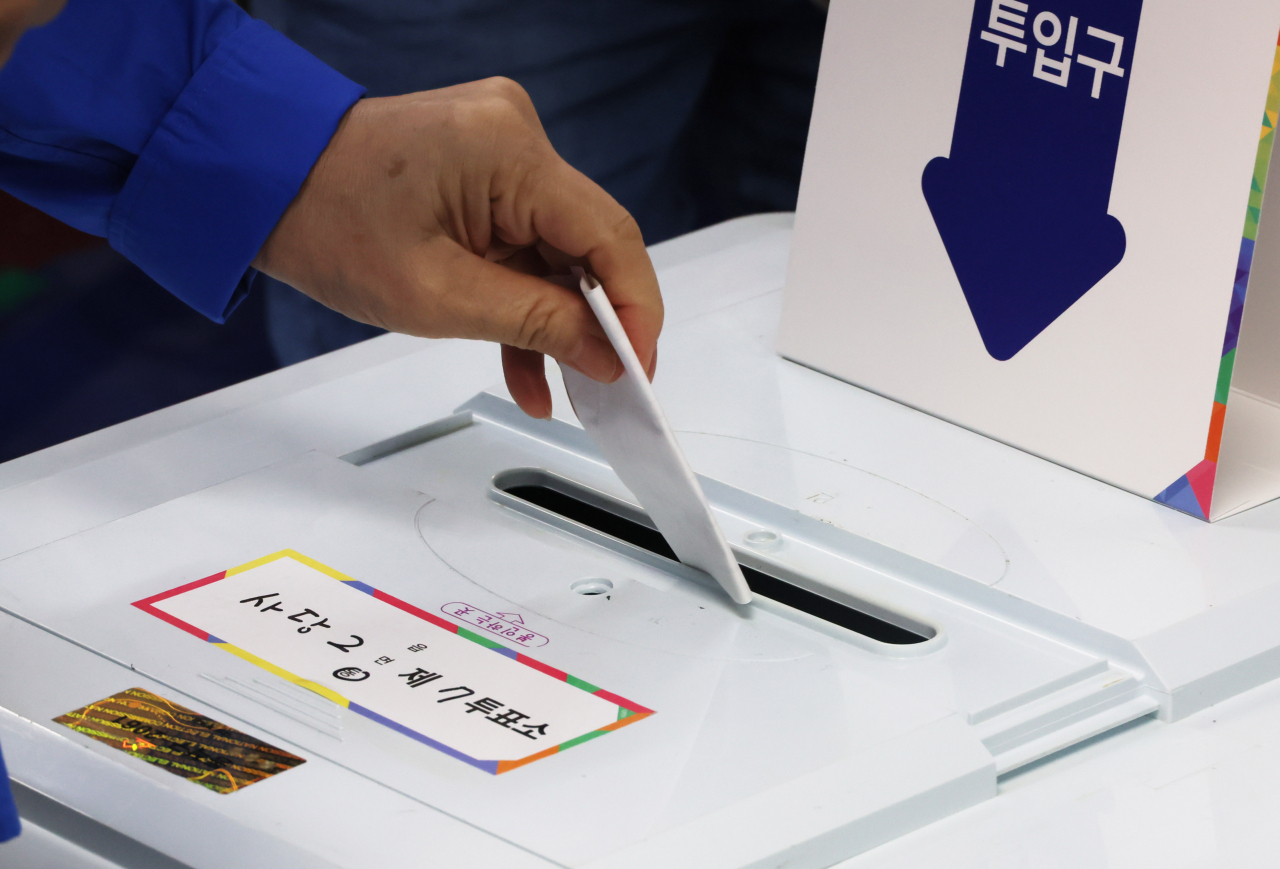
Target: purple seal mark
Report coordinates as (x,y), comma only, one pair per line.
(509,626)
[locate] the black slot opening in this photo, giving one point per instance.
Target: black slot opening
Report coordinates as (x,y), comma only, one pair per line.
(760,582)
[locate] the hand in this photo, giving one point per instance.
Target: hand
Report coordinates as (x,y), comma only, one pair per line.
(17,16)
(439,214)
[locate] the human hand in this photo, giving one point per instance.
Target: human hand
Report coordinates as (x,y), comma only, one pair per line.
(440,213)
(17,16)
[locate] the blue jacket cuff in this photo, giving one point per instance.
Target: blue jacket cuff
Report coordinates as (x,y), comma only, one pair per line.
(224,164)
(10,825)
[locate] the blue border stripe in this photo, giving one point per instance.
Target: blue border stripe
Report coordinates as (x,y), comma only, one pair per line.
(355,583)
(489,766)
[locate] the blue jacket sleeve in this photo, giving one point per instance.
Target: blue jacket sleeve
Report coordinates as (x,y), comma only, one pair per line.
(10,825)
(178,129)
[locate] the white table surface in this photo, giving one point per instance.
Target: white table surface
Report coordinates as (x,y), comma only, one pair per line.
(1201,792)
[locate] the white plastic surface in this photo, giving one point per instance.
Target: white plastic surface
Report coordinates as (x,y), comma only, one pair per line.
(317,816)
(1190,608)
(37,848)
(599,800)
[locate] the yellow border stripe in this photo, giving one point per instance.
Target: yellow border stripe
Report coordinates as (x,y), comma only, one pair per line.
(296,556)
(286,675)
(266,559)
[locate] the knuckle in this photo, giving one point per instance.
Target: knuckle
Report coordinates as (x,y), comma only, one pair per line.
(508,90)
(506,103)
(539,324)
(625,228)
(494,105)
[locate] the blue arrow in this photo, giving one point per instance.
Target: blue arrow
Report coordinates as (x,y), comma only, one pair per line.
(1021,203)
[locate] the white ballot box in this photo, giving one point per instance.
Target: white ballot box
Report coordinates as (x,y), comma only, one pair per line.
(1048,222)
(363,612)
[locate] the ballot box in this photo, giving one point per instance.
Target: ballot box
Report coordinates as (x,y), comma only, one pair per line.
(363,612)
(1049,222)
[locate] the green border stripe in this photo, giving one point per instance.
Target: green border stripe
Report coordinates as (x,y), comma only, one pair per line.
(578,683)
(1223,389)
(479,638)
(578,740)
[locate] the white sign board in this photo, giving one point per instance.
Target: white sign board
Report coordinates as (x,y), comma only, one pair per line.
(1040,220)
(427,678)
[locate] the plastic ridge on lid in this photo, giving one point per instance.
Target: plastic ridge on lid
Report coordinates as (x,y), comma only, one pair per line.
(628,425)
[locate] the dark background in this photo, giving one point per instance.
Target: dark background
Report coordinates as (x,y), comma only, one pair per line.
(87,340)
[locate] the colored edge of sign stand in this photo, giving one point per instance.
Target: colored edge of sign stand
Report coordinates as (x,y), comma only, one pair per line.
(1192,493)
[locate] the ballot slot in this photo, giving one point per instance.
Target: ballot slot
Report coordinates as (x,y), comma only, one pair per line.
(622,522)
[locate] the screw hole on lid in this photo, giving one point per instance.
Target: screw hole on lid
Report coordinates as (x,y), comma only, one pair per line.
(592,586)
(763,540)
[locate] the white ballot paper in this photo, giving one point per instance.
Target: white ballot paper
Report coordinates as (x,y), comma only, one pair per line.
(627,424)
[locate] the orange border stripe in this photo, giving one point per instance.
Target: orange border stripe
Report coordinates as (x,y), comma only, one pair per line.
(1216,420)
(508,765)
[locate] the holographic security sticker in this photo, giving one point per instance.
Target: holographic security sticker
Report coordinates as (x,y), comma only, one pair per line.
(180,740)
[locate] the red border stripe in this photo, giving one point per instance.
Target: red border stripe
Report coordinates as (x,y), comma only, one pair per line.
(147,601)
(622,701)
(543,668)
(414,611)
(147,604)
(177,623)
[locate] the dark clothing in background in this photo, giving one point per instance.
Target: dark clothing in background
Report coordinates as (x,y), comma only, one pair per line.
(688,112)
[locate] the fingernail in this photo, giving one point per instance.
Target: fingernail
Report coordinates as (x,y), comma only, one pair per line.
(652,366)
(595,358)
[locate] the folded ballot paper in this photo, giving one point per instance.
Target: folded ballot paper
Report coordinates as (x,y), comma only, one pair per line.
(627,424)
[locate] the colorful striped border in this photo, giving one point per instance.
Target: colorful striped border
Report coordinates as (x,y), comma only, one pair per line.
(628,712)
(1192,493)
